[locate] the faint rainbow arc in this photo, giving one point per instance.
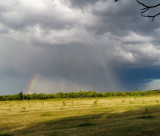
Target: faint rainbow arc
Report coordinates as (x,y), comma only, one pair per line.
(31,84)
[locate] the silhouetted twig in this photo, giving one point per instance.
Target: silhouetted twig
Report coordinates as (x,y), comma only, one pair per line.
(147,8)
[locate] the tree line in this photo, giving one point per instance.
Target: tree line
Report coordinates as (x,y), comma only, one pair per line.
(81,94)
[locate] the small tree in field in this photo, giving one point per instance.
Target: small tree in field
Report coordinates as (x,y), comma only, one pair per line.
(20,96)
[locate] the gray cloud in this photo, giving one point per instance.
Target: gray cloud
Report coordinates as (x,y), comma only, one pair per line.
(73,44)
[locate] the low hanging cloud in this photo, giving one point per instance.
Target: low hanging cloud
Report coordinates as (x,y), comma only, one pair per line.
(74,45)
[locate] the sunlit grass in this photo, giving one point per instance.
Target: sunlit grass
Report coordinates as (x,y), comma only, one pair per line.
(68,116)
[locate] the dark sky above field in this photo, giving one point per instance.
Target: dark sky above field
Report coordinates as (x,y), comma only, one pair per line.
(47,46)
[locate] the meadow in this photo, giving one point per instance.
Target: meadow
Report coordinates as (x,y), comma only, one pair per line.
(110,116)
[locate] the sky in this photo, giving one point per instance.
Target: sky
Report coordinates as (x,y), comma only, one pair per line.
(50,46)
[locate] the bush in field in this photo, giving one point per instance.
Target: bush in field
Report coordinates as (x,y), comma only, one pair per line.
(95,102)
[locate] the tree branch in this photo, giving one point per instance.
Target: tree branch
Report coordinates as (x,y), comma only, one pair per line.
(151,16)
(147,8)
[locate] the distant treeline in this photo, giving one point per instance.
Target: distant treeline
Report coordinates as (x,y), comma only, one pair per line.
(81,94)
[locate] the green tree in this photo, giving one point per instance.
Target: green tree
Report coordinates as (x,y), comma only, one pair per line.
(20,96)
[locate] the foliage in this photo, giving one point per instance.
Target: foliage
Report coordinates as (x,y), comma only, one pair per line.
(146,114)
(81,94)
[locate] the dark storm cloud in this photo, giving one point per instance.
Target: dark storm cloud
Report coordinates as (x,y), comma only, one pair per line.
(136,78)
(76,44)
(82,3)
(123,16)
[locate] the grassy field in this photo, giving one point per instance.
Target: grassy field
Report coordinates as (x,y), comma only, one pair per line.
(120,116)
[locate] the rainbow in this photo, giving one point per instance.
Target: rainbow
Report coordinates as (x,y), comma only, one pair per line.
(31,84)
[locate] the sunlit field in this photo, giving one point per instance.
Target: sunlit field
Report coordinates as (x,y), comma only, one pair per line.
(119,116)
